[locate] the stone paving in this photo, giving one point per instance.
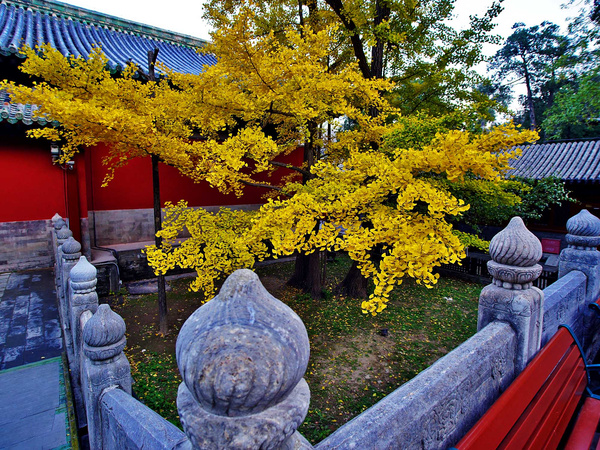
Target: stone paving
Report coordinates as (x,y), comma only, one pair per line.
(33,403)
(29,323)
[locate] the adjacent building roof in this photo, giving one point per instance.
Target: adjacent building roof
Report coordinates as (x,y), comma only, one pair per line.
(74,31)
(573,161)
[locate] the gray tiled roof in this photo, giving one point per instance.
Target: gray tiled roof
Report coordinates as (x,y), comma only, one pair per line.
(74,31)
(576,161)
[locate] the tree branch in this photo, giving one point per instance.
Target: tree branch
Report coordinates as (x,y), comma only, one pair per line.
(357,45)
(291,167)
(266,186)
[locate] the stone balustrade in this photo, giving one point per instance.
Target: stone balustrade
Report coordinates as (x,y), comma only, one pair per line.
(243,355)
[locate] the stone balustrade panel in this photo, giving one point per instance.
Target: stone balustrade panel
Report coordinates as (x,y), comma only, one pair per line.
(129,424)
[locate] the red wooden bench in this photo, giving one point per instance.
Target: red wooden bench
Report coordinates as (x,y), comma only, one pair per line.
(550,404)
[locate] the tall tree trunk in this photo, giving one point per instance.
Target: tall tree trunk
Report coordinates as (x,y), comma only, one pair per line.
(354,285)
(162,291)
(308,274)
(308,268)
(529,98)
(299,277)
(382,13)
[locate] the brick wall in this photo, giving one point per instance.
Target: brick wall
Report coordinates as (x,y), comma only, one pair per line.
(25,245)
(120,226)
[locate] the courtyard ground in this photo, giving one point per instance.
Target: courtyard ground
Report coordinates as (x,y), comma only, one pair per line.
(356,359)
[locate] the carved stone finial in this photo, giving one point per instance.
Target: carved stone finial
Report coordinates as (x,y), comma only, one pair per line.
(582,255)
(511,297)
(584,231)
(104,334)
(59,223)
(71,249)
(104,367)
(55,217)
(515,252)
(516,245)
(242,357)
(63,234)
(83,276)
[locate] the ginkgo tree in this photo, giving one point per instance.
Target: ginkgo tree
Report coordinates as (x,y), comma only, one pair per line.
(261,100)
(284,87)
(389,212)
(265,96)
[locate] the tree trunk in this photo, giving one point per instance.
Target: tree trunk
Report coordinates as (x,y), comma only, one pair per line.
(308,274)
(382,13)
(354,285)
(314,281)
(308,268)
(529,97)
(299,277)
(162,292)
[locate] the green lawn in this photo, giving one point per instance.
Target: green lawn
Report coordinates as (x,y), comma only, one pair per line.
(355,359)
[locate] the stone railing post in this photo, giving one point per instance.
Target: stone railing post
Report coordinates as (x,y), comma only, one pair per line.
(242,357)
(511,297)
(57,223)
(61,237)
(82,297)
(104,365)
(582,253)
(71,252)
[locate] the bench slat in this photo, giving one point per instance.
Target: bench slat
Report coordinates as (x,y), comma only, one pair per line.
(586,425)
(555,395)
(505,412)
(553,429)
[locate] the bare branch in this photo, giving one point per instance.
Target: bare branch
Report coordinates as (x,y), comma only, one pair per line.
(266,186)
(291,167)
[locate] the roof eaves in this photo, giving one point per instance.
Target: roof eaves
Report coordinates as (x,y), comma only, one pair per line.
(574,162)
(95,18)
(20,112)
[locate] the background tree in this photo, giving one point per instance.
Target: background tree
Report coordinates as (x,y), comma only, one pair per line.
(409,42)
(575,111)
(531,56)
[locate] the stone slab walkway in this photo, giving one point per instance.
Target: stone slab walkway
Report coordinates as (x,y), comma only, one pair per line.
(29,324)
(33,402)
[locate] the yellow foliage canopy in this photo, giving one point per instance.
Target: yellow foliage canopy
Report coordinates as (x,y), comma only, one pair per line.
(384,208)
(388,212)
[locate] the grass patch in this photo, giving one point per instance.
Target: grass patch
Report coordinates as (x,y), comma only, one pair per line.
(355,359)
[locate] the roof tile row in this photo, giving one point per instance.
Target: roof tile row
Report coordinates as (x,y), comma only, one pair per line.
(577,161)
(33,23)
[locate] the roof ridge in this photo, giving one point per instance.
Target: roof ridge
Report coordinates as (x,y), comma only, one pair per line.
(567,141)
(84,15)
